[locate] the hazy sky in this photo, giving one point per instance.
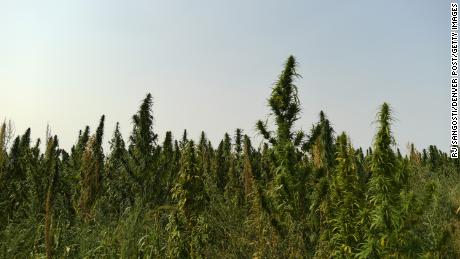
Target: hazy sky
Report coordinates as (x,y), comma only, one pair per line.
(210,64)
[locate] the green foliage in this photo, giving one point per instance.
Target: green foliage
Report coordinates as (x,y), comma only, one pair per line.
(278,205)
(248,168)
(51,163)
(347,199)
(92,171)
(296,195)
(284,104)
(187,225)
(320,145)
(143,153)
(118,185)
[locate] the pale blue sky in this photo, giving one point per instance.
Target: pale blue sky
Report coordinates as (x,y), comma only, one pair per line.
(210,64)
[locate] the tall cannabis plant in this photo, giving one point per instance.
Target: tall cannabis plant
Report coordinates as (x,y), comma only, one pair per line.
(92,171)
(51,163)
(187,224)
(347,200)
(142,150)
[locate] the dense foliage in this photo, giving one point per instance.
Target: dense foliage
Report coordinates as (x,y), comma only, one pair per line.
(297,195)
